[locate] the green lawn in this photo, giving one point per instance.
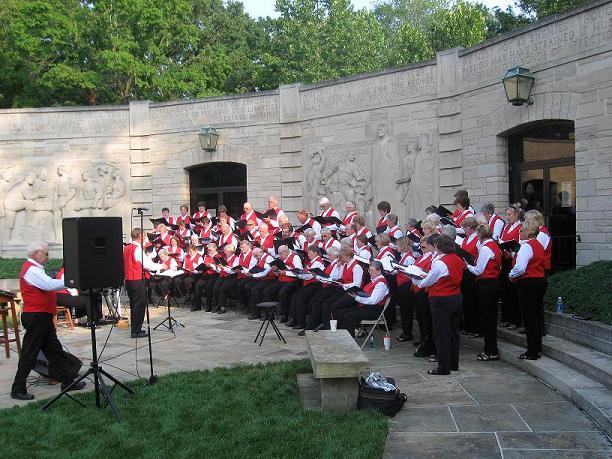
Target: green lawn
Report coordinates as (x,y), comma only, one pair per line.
(10,267)
(245,411)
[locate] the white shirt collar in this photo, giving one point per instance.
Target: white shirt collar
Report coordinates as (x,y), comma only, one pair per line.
(35,263)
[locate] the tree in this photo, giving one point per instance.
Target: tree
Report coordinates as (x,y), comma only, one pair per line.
(464,24)
(539,9)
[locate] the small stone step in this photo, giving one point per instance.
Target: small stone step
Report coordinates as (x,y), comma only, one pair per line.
(588,333)
(592,397)
(587,361)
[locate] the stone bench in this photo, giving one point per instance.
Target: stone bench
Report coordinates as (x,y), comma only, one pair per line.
(337,362)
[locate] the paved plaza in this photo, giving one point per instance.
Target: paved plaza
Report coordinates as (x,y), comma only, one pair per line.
(485,410)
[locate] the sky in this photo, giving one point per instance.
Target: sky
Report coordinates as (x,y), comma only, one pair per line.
(264,8)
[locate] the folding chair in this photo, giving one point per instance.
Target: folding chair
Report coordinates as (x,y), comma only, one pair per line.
(374,323)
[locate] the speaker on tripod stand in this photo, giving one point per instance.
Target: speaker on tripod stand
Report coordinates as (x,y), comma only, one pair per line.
(93,261)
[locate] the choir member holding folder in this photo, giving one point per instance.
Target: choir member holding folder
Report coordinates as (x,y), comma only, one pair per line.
(470,325)
(486,270)
(405,297)
(509,239)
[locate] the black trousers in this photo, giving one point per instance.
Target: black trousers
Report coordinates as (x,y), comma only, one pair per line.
(332,308)
(80,303)
(257,294)
(281,292)
(406,303)
(315,305)
(224,288)
(40,335)
(161,285)
(300,301)
(243,289)
(205,285)
(184,283)
(487,291)
(470,323)
(390,314)
(137,294)
(510,304)
(423,313)
(349,318)
(446,318)
(531,292)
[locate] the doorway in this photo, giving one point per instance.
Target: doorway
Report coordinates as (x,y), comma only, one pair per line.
(543,176)
(219,183)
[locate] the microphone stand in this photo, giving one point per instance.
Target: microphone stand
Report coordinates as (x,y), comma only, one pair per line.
(152,376)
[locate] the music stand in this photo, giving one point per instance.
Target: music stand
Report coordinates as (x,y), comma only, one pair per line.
(172,322)
(96,370)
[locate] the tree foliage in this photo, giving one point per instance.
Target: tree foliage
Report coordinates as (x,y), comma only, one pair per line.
(87,52)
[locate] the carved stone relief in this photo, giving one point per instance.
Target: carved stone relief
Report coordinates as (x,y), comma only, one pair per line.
(35,201)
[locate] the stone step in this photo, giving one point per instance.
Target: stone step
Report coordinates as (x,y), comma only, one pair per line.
(588,333)
(595,365)
(592,397)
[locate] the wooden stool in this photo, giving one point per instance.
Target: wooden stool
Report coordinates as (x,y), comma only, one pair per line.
(7,303)
(67,320)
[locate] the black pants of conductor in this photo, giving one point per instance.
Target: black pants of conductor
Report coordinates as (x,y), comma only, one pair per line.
(137,293)
(40,335)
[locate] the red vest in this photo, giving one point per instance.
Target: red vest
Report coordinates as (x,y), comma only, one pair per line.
(35,299)
(381,223)
(535,267)
(347,272)
(59,275)
(547,250)
(510,235)
(328,270)
(131,267)
(449,285)
(493,266)
(401,277)
(185,219)
(199,214)
(470,245)
(423,262)
(192,263)
(232,261)
(261,264)
(462,216)
(348,219)
(309,264)
(329,243)
(385,251)
(492,221)
(370,288)
(266,242)
(245,262)
(206,233)
(290,262)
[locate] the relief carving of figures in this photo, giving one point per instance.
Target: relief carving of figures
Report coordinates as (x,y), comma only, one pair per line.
(40,216)
(6,177)
(385,165)
(352,183)
(317,179)
(86,195)
(424,187)
(65,191)
(19,197)
(102,187)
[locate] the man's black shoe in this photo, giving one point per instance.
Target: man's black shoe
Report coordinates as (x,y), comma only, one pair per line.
(140,334)
(302,332)
(195,308)
(21,396)
(404,337)
(78,386)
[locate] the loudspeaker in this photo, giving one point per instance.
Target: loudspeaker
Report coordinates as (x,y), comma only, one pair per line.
(93,252)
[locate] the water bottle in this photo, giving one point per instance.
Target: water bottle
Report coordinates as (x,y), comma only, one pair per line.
(560,305)
(372,343)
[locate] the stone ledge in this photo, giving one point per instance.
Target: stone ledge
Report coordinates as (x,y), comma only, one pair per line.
(336,355)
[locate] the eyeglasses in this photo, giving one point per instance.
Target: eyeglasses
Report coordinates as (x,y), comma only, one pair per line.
(46,254)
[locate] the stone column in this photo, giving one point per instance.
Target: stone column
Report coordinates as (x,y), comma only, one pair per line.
(292,193)
(140,158)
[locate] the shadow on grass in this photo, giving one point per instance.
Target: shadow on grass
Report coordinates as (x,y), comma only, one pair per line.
(242,411)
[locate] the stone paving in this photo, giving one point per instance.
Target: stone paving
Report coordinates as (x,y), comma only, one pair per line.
(485,410)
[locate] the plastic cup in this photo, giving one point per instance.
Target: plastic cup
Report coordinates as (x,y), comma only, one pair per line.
(333,325)
(387,341)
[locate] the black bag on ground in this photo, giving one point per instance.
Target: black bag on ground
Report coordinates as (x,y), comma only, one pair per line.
(388,402)
(65,369)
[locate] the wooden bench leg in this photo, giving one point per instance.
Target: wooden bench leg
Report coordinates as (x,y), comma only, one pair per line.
(68,317)
(16,327)
(339,393)
(5,337)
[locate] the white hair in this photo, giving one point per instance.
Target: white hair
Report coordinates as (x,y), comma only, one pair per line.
(36,246)
(325,231)
(449,230)
(310,231)
(433,218)
(348,241)
(323,201)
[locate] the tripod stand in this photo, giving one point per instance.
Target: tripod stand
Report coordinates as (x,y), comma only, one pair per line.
(172,322)
(98,374)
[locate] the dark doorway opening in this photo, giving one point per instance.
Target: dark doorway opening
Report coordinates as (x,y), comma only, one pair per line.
(542,173)
(219,183)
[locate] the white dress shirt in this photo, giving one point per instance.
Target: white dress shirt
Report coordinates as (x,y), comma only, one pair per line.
(484,255)
(146,261)
(378,294)
(37,277)
(438,271)
(357,277)
(524,255)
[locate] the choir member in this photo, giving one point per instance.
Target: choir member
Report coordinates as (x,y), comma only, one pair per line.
(310,287)
(162,283)
(287,282)
(392,229)
(411,227)
(305,219)
(463,194)
(262,280)
(360,229)
(175,250)
(352,277)
(511,316)
(368,307)
(429,228)
(327,240)
(528,274)
(328,211)
(309,240)
(384,208)
(183,231)
(227,237)
(184,283)
(166,215)
(494,221)
(206,229)
(265,239)
(329,289)
(244,283)
(404,290)
(249,214)
(201,213)
(227,282)
(462,210)
(223,215)
(206,283)
(184,216)
(471,324)
(274,222)
(362,248)
(426,345)
(164,234)
(351,213)
(486,270)
(444,284)
(385,253)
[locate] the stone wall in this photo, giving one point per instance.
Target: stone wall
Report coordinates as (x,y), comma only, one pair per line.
(411,135)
